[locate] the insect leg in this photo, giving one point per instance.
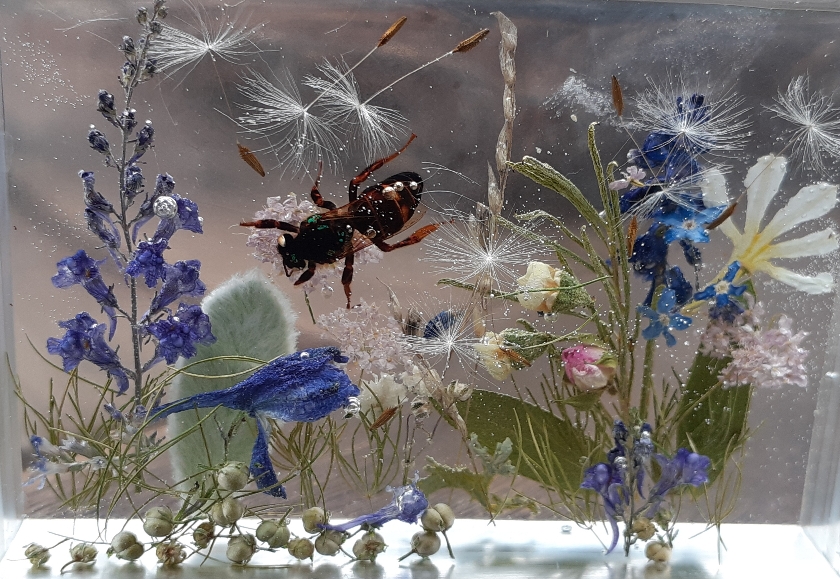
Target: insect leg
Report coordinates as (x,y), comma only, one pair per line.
(347,276)
(307,275)
(270,224)
(316,195)
(361,177)
(415,237)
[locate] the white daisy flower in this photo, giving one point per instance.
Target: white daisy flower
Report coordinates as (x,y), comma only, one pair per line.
(754,248)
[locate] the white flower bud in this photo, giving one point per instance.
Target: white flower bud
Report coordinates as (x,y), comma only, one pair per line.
(83,553)
(658,552)
(301,548)
(312,518)
(125,546)
(170,554)
(425,543)
(329,542)
(233,476)
(241,548)
(369,546)
(37,555)
(274,533)
(446,514)
(158,522)
(227,511)
(203,534)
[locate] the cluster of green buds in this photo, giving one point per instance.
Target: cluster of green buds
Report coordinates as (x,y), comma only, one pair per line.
(436,519)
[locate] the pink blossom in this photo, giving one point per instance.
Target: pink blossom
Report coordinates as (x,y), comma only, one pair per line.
(631,177)
(588,367)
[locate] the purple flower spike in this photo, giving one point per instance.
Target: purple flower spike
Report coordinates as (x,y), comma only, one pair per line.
(186,218)
(134,181)
(145,138)
(104,229)
(180,280)
(99,142)
(93,199)
(85,340)
(148,260)
(606,480)
(408,504)
(301,387)
(178,334)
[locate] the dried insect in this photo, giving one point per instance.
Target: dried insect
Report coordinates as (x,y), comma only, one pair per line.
(378,213)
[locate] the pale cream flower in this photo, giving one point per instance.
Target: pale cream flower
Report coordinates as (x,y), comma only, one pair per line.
(493,356)
(542,276)
(754,248)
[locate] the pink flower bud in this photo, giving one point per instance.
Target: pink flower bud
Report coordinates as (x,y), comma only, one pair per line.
(588,367)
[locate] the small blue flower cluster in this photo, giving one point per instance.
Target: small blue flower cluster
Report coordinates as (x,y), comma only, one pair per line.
(175,334)
(672,199)
(628,465)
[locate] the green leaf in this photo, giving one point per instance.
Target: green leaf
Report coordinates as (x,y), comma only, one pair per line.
(712,420)
(583,402)
(548,176)
(542,442)
(442,476)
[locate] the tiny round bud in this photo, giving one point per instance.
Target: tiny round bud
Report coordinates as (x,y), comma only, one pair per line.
(369,546)
(274,533)
(312,519)
(643,528)
(241,548)
(83,553)
(658,552)
(329,542)
(227,511)
(425,543)
(301,548)
(170,554)
(446,515)
(233,475)
(158,522)
(37,555)
(431,520)
(203,534)
(126,546)
(165,207)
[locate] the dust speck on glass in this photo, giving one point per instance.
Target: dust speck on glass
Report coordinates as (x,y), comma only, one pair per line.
(409,262)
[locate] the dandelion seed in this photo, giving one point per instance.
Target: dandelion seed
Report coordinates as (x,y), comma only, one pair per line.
(302,138)
(816,120)
(449,333)
(377,128)
(459,253)
(175,49)
(698,123)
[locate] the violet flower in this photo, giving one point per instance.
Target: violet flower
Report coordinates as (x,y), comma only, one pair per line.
(301,387)
(724,292)
(148,260)
(664,318)
(164,185)
(186,218)
(179,280)
(85,340)
(408,504)
(83,269)
(178,334)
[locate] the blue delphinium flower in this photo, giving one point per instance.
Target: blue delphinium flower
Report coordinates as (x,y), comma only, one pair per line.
(185,218)
(85,340)
(686,468)
(439,326)
(179,280)
(301,387)
(134,182)
(604,479)
(724,292)
(148,261)
(164,185)
(650,253)
(408,504)
(82,269)
(178,334)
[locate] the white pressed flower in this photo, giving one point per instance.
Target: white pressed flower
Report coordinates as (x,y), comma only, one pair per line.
(382,393)
(175,49)
(379,129)
(756,248)
(816,121)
